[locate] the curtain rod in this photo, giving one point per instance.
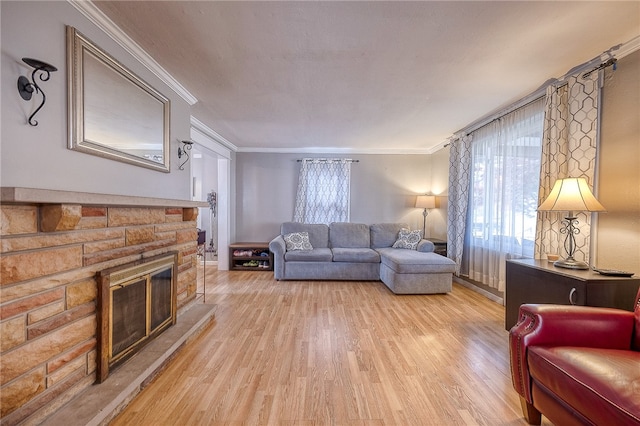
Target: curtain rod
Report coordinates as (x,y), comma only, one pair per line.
(329,159)
(611,61)
(511,108)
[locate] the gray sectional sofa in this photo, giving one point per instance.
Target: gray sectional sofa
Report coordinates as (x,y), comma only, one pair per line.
(356,251)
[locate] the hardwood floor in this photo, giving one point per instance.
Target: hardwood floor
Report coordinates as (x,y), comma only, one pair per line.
(335,353)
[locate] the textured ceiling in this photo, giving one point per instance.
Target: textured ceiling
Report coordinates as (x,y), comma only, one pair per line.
(364,76)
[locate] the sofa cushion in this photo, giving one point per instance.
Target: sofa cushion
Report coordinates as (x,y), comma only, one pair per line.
(385,234)
(349,235)
(415,262)
(359,255)
(315,255)
(297,241)
(318,232)
(408,239)
(602,384)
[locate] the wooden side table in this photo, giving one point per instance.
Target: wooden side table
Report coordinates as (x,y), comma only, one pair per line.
(256,257)
(538,281)
(440,246)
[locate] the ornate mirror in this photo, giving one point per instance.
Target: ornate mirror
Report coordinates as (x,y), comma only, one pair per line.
(112,112)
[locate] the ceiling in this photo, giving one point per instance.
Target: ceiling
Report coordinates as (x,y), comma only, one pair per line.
(364,77)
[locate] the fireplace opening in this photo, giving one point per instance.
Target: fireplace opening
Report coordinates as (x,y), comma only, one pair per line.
(136,303)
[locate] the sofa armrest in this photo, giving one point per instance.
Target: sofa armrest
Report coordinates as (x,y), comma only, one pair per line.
(560,325)
(425,246)
(278,247)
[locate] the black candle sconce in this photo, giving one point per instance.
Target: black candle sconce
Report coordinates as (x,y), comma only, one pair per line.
(186,146)
(26,87)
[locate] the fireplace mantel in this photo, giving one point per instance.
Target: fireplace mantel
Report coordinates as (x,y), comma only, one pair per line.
(53,196)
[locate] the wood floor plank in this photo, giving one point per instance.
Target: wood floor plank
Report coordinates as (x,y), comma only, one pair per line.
(335,353)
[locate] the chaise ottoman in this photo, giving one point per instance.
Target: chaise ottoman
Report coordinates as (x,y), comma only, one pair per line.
(415,272)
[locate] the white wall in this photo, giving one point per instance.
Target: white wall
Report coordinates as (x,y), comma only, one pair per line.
(618,232)
(38,157)
(383,189)
(437,219)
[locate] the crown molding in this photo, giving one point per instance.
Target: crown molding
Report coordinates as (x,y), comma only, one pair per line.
(205,141)
(625,49)
(212,134)
(102,21)
(215,136)
(333,150)
(439,146)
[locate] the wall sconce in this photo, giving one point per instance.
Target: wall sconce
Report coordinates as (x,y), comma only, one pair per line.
(425,202)
(183,151)
(26,87)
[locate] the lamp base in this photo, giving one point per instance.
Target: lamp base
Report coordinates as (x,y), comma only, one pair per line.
(570,264)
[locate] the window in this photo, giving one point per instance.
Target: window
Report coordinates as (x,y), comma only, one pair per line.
(503,196)
(323,191)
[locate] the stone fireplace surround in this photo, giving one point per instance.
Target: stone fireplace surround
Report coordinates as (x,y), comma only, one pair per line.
(52,245)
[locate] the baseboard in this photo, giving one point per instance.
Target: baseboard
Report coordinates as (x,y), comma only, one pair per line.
(488,295)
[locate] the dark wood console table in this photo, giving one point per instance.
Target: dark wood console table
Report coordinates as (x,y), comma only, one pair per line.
(538,281)
(440,246)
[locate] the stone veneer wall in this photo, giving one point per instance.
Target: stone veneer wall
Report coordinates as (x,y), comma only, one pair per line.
(49,256)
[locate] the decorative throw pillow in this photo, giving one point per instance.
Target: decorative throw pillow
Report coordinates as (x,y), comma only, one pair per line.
(408,239)
(297,241)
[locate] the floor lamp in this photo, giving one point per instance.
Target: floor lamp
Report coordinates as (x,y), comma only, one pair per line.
(425,202)
(571,195)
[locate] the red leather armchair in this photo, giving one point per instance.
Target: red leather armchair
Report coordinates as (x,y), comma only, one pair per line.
(577,365)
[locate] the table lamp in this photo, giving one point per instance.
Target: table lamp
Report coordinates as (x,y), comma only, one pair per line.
(425,202)
(571,195)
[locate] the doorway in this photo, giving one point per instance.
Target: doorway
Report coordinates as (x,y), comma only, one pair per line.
(204,175)
(211,183)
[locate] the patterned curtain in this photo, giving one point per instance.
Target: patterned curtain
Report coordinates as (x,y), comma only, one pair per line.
(459,179)
(323,191)
(568,150)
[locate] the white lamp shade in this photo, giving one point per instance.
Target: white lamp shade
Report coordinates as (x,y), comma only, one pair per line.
(571,194)
(426,201)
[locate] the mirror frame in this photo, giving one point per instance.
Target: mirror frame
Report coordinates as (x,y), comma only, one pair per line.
(77,46)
